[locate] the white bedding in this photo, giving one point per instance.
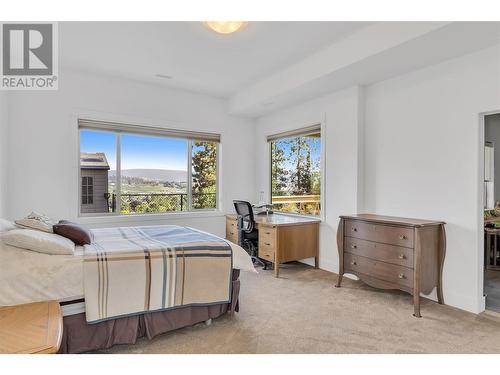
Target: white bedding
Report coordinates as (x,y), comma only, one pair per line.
(27,276)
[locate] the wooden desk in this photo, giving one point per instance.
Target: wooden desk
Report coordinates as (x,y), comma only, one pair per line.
(282,238)
(31,328)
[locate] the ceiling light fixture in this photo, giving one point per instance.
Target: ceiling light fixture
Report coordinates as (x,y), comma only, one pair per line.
(163,76)
(225,27)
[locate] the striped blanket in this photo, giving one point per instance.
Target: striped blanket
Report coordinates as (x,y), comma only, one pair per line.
(129,271)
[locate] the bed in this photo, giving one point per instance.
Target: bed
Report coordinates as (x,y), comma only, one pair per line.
(27,276)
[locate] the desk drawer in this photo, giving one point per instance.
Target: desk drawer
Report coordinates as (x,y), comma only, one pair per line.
(384,271)
(231,223)
(232,238)
(267,236)
(399,236)
(232,230)
(266,231)
(232,234)
(267,251)
(398,255)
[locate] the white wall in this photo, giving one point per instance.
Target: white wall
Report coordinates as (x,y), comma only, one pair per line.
(423,158)
(341,115)
(3,153)
(43,141)
(419,157)
(418,154)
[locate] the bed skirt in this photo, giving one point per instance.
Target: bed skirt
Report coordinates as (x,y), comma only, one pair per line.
(79,337)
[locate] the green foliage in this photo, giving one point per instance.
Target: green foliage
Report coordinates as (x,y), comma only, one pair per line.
(295,171)
(204,174)
(305,208)
(279,174)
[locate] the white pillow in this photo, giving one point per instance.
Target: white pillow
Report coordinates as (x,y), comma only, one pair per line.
(37,221)
(42,242)
(6,225)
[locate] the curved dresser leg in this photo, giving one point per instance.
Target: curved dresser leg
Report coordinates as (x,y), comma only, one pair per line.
(416,306)
(416,272)
(442,253)
(440,293)
(340,249)
(339,281)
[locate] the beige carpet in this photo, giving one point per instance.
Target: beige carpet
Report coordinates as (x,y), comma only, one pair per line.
(302,312)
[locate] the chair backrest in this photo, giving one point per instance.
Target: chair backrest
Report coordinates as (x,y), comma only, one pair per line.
(245,215)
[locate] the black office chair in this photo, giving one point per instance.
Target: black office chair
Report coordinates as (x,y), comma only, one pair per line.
(248,235)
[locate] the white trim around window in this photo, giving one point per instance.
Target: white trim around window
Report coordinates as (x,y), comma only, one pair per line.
(290,132)
(118,128)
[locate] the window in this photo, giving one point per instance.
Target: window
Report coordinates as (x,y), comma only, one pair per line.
(296,171)
(140,170)
(87,190)
(204,174)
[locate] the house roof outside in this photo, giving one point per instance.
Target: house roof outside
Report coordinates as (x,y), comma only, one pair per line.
(93,160)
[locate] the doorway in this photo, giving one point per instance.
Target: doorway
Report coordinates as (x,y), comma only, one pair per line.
(491,205)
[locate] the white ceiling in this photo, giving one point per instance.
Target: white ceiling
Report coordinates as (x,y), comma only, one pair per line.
(197,58)
(375,53)
(267,65)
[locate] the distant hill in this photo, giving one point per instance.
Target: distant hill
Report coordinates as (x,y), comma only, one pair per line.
(165,175)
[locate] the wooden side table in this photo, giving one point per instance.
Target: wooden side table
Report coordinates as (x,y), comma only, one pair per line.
(34,328)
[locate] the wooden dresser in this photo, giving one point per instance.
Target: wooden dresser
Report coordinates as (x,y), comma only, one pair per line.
(393,253)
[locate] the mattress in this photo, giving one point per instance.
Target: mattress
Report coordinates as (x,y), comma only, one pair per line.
(27,276)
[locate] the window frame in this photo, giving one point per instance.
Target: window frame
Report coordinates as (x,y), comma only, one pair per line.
(294,132)
(121,128)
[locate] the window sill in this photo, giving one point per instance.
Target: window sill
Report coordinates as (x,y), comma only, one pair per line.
(147,218)
(320,218)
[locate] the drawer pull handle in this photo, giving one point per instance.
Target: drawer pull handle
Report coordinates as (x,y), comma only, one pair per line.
(354,229)
(401,276)
(266,243)
(402,256)
(268,232)
(403,237)
(354,247)
(354,263)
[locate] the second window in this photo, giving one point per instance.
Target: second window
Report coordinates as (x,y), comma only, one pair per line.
(296,171)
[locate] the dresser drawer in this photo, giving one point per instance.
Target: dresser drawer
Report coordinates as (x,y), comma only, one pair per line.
(267,251)
(399,255)
(384,271)
(399,236)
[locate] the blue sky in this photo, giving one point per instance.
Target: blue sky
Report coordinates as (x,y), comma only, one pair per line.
(138,152)
(315,154)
